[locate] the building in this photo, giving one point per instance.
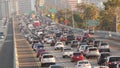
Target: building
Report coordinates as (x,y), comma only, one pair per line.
(73,4)
(4,9)
(26,6)
(98,3)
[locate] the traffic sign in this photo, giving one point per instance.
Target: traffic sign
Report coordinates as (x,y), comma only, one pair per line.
(91,23)
(52,10)
(118,27)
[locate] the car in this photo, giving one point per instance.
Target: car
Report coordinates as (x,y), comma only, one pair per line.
(38,46)
(63,38)
(77,56)
(69,39)
(78,38)
(90,40)
(104,45)
(29,39)
(83,64)
(112,61)
(86,48)
(47,59)
(74,43)
(2,35)
(56,66)
(84,39)
(96,42)
(86,35)
(91,32)
(59,45)
(118,65)
(102,58)
(49,40)
(42,53)
(67,52)
(39,52)
(82,48)
(92,52)
(79,44)
(100,67)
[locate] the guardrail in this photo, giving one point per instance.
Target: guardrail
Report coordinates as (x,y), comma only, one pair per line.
(106,34)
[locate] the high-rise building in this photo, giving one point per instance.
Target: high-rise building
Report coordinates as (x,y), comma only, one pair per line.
(26,6)
(73,4)
(4,9)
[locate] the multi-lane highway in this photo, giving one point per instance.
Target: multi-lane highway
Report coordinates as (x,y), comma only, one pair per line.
(27,57)
(66,61)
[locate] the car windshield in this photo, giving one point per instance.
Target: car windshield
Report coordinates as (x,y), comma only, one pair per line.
(74,41)
(59,43)
(93,49)
(68,49)
(48,56)
(57,67)
(40,46)
(83,62)
(113,59)
(77,54)
(104,44)
(104,55)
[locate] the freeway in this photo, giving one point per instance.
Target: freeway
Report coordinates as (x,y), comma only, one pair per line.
(7,50)
(28,58)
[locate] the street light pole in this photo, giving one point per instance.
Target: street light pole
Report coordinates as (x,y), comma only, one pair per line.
(73,22)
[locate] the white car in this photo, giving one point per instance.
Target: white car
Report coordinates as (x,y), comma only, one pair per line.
(67,52)
(103,45)
(49,40)
(83,64)
(100,67)
(82,48)
(92,51)
(47,59)
(59,45)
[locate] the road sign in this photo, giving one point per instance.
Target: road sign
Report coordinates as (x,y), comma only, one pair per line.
(118,27)
(91,23)
(52,10)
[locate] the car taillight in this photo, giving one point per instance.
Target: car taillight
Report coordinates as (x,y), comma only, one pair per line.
(109,63)
(88,64)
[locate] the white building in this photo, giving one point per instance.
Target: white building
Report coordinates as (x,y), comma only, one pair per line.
(26,6)
(98,3)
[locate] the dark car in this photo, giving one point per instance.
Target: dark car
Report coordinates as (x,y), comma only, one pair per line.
(1,35)
(69,39)
(102,58)
(112,61)
(74,43)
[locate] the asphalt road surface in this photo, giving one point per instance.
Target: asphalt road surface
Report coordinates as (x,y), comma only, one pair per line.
(7,50)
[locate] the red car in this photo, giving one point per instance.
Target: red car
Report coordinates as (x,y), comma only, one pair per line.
(63,38)
(78,38)
(77,56)
(39,52)
(87,35)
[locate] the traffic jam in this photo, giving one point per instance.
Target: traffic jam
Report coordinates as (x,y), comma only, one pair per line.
(56,46)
